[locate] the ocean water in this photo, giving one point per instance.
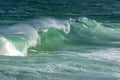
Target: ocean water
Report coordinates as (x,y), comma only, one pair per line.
(59,40)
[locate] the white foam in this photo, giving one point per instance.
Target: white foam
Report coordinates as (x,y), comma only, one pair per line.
(8,49)
(106,54)
(26,35)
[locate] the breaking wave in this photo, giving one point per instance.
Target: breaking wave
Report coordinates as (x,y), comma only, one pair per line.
(50,34)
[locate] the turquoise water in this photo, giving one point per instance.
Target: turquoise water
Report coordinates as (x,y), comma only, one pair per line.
(59,40)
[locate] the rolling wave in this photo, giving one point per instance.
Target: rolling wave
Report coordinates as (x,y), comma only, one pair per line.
(56,35)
